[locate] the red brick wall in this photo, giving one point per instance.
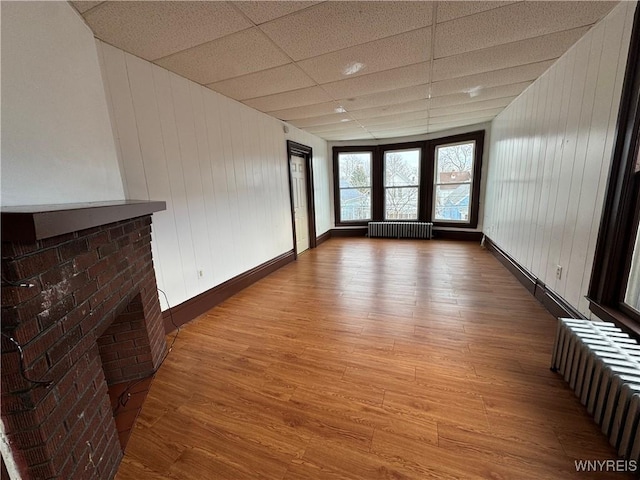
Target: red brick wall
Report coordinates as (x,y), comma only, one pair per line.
(92,311)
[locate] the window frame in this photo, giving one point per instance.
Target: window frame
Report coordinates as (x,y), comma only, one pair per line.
(472,186)
(337,189)
(402,147)
(426,186)
(620,214)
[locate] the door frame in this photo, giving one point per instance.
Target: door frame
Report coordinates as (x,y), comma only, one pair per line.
(303,151)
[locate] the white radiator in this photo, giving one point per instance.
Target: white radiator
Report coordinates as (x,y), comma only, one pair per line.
(602,365)
(400,229)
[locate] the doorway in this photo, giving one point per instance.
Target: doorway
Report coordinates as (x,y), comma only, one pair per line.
(301,191)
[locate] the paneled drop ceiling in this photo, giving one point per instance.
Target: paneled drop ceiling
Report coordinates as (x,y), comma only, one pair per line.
(357,69)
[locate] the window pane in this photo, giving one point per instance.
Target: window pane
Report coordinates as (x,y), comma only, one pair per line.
(452,202)
(455,163)
(402,168)
(355,204)
(354,169)
(632,294)
(401,203)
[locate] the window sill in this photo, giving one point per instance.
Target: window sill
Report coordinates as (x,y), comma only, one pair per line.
(628,324)
(454,224)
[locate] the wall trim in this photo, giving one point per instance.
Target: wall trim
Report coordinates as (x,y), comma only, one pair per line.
(554,303)
(349,232)
(190,309)
(323,237)
(457,235)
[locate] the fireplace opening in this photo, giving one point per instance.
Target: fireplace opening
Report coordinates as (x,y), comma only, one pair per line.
(126,361)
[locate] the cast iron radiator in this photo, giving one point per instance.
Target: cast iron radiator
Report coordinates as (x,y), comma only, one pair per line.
(400,229)
(602,365)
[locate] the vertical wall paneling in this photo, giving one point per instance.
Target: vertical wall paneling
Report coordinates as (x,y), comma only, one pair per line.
(549,160)
(218,200)
(564,221)
(220,166)
(204,186)
(580,178)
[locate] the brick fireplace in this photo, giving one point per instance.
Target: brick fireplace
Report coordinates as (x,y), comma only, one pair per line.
(80,312)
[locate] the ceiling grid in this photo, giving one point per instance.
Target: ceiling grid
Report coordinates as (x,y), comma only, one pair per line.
(347,70)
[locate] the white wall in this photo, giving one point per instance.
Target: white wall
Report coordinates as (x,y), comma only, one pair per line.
(549,160)
(220,166)
(429,136)
(57,145)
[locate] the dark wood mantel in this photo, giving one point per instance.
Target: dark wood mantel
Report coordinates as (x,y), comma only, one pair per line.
(36,222)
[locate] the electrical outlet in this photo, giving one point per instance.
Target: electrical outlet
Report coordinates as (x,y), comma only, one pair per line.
(558,272)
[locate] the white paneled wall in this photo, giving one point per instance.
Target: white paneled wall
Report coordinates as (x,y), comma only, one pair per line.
(220,166)
(549,160)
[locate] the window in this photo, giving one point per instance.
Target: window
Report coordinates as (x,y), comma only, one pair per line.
(401,184)
(429,181)
(354,176)
(614,291)
(453,182)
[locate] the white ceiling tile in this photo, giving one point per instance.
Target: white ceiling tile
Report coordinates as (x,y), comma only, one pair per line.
(464,117)
(501,91)
(415,106)
(83,6)
(474,84)
(419,123)
(379,82)
(470,107)
(461,123)
(231,56)
(332,26)
(294,98)
(397,119)
(152,30)
(260,12)
(546,47)
(514,22)
(390,97)
(337,137)
(321,120)
(392,52)
(349,128)
(450,10)
(265,82)
(402,132)
(307,111)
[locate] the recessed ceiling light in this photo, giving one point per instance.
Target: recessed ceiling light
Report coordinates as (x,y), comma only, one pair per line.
(352,68)
(474,91)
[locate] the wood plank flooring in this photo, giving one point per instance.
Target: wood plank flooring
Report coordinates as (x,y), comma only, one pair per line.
(368,359)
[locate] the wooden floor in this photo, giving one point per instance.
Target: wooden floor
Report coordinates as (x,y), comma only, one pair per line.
(368,359)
